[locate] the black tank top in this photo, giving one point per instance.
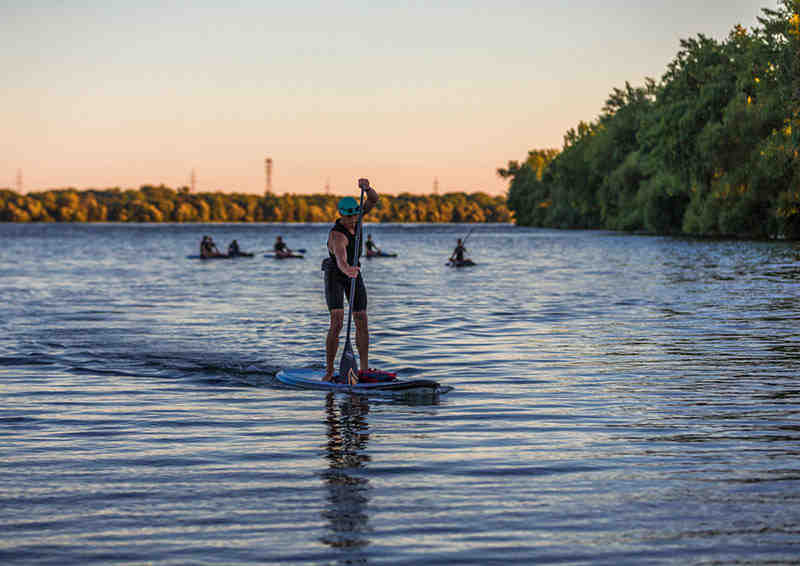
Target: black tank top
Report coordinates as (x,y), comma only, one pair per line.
(351,245)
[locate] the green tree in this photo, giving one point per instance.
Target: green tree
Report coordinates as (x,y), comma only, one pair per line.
(711,149)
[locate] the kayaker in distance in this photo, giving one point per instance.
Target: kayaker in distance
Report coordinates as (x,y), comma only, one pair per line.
(233,248)
(458,253)
(372,249)
(208,248)
(339,267)
(281,249)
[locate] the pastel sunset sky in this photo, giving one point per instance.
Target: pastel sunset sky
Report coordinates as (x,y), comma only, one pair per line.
(104,93)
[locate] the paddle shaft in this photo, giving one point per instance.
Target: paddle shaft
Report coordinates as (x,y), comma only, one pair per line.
(464,241)
(356,257)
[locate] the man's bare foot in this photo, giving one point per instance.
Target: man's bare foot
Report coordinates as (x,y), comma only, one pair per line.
(328,376)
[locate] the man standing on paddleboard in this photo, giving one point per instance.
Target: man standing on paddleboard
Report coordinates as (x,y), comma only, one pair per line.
(340,267)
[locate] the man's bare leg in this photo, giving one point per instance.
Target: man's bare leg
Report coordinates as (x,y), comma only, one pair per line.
(362,338)
(332,342)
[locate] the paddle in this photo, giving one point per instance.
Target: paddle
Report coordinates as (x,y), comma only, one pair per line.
(464,241)
(348,368)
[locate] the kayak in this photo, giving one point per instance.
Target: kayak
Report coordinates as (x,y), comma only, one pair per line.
(224,256)
(380,254)
(306,378)
(465,263)
(290,256)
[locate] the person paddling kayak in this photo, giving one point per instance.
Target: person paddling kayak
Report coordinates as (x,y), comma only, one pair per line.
(281,249)
(458,253)
(374,251)
(208,248)
(341,268)
(372,248)
(234,250)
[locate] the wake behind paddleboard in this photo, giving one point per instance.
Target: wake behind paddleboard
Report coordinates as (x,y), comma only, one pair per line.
(306,378)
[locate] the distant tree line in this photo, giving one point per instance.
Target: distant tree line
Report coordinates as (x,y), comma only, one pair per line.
(163,204)
(712,149)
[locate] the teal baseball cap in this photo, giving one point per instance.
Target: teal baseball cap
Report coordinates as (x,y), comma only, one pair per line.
(348,206)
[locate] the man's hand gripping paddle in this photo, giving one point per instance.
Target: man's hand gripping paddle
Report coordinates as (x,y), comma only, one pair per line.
(348,367)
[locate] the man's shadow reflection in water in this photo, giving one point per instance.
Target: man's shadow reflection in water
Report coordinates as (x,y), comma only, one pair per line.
(348,489)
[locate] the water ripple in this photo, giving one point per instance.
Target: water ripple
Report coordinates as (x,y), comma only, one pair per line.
(617,399)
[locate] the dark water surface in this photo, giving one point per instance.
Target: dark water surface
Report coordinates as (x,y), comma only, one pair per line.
(617,400)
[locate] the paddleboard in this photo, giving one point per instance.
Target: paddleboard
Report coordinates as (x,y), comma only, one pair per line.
(382,254)
(465,263)
(305,378)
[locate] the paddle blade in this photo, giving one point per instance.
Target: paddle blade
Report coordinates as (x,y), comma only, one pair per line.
(348,369)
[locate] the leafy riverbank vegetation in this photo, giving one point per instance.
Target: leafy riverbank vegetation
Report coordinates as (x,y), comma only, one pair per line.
(162,204)
(711,149)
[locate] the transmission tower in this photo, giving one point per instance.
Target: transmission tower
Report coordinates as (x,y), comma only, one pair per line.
(19,181)
(328,186)
(193,181)
(436,185)
(268,170)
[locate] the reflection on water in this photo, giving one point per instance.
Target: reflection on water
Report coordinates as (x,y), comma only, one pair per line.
(347,485)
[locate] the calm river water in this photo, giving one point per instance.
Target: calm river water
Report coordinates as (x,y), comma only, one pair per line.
(617,399)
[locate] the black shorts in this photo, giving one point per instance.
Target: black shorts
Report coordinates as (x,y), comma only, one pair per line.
(337,285)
